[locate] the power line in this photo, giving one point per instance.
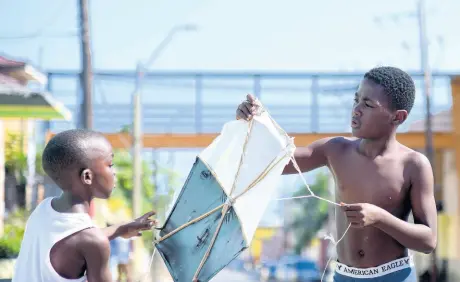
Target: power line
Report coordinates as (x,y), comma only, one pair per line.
(40,32)
(36,35)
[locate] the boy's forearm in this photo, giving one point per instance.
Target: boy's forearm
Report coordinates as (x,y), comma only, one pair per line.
(417,237)
(112,232)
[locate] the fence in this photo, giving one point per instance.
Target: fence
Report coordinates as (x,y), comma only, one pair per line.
(188,102)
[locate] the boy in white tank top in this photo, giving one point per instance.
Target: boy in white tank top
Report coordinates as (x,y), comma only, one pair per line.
(60,241)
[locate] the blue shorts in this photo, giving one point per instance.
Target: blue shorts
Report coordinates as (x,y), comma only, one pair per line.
(400,270)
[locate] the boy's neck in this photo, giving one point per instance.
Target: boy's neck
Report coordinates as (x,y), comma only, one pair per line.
(68,203)
(377,147)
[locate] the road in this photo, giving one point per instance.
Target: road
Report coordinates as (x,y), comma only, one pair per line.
(223,276)
(227,275)
(161,274)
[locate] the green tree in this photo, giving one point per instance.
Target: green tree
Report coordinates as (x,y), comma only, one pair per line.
(10,242)
(123,164)
(311,213)
(15,157)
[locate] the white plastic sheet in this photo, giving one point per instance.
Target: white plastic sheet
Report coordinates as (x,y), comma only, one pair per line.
(260,150)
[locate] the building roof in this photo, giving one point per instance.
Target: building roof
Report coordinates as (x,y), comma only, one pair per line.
(6,79)
(17,100)
(21,71)
(440,122)
(7,63)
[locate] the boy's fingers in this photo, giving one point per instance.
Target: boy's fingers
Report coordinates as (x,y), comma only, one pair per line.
(149,214)
(250,98)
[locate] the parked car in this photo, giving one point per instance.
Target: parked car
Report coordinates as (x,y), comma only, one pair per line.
(290,268)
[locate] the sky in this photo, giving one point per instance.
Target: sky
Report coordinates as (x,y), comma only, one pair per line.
(237,35)
(233,35)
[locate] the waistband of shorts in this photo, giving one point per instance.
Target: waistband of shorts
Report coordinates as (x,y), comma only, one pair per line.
(372,272)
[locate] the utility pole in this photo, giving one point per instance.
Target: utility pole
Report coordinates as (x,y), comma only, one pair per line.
(86,74)
(137,145)
(427,76)
(86,77)
(425,67)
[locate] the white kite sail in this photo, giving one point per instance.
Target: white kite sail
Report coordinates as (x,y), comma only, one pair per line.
(247,159)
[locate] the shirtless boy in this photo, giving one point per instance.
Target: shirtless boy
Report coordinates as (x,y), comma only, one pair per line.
(379,179)
(60,242)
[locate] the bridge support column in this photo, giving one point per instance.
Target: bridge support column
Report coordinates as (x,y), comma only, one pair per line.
(455,86)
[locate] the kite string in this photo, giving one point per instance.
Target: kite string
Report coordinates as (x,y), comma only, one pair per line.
(326,237)
(312,195)
(145,275)
(331,239)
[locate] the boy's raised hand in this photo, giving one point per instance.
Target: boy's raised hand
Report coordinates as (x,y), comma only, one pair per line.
(247,109)
(135,227)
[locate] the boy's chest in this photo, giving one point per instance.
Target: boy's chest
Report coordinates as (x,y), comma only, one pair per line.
(359,180)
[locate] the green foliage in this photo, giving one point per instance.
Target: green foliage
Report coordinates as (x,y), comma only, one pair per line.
(14,228)
(15,157)
(123,164)
(38,162)
(311,213)
(124,168)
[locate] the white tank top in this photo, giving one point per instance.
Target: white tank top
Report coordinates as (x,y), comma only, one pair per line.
(45,228)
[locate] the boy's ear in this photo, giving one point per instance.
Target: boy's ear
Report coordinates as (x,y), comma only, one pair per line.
(399,117)
(87,176)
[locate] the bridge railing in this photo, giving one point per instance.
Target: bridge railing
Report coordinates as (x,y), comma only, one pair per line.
(184,119)
(183,102)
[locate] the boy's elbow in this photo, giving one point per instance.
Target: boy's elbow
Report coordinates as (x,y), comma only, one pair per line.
(430,246)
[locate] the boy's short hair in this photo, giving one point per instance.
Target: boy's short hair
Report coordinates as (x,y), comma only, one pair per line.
(397,84)
(70,148)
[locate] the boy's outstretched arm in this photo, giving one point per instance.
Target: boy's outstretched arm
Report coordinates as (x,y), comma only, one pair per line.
(95,248)
(132,228)
(314,155)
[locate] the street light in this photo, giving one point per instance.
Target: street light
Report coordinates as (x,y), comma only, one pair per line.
(137,119)
(137,115)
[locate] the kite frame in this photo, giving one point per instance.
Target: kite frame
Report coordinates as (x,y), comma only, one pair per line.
(230,201)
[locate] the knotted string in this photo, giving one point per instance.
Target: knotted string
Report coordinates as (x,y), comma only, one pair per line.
(328,237)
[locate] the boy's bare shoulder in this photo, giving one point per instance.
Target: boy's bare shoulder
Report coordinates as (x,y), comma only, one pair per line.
(93,241)
(93,236)
(410,155)
(415,160)
(339,143)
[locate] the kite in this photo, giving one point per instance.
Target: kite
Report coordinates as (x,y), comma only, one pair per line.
(221,203)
